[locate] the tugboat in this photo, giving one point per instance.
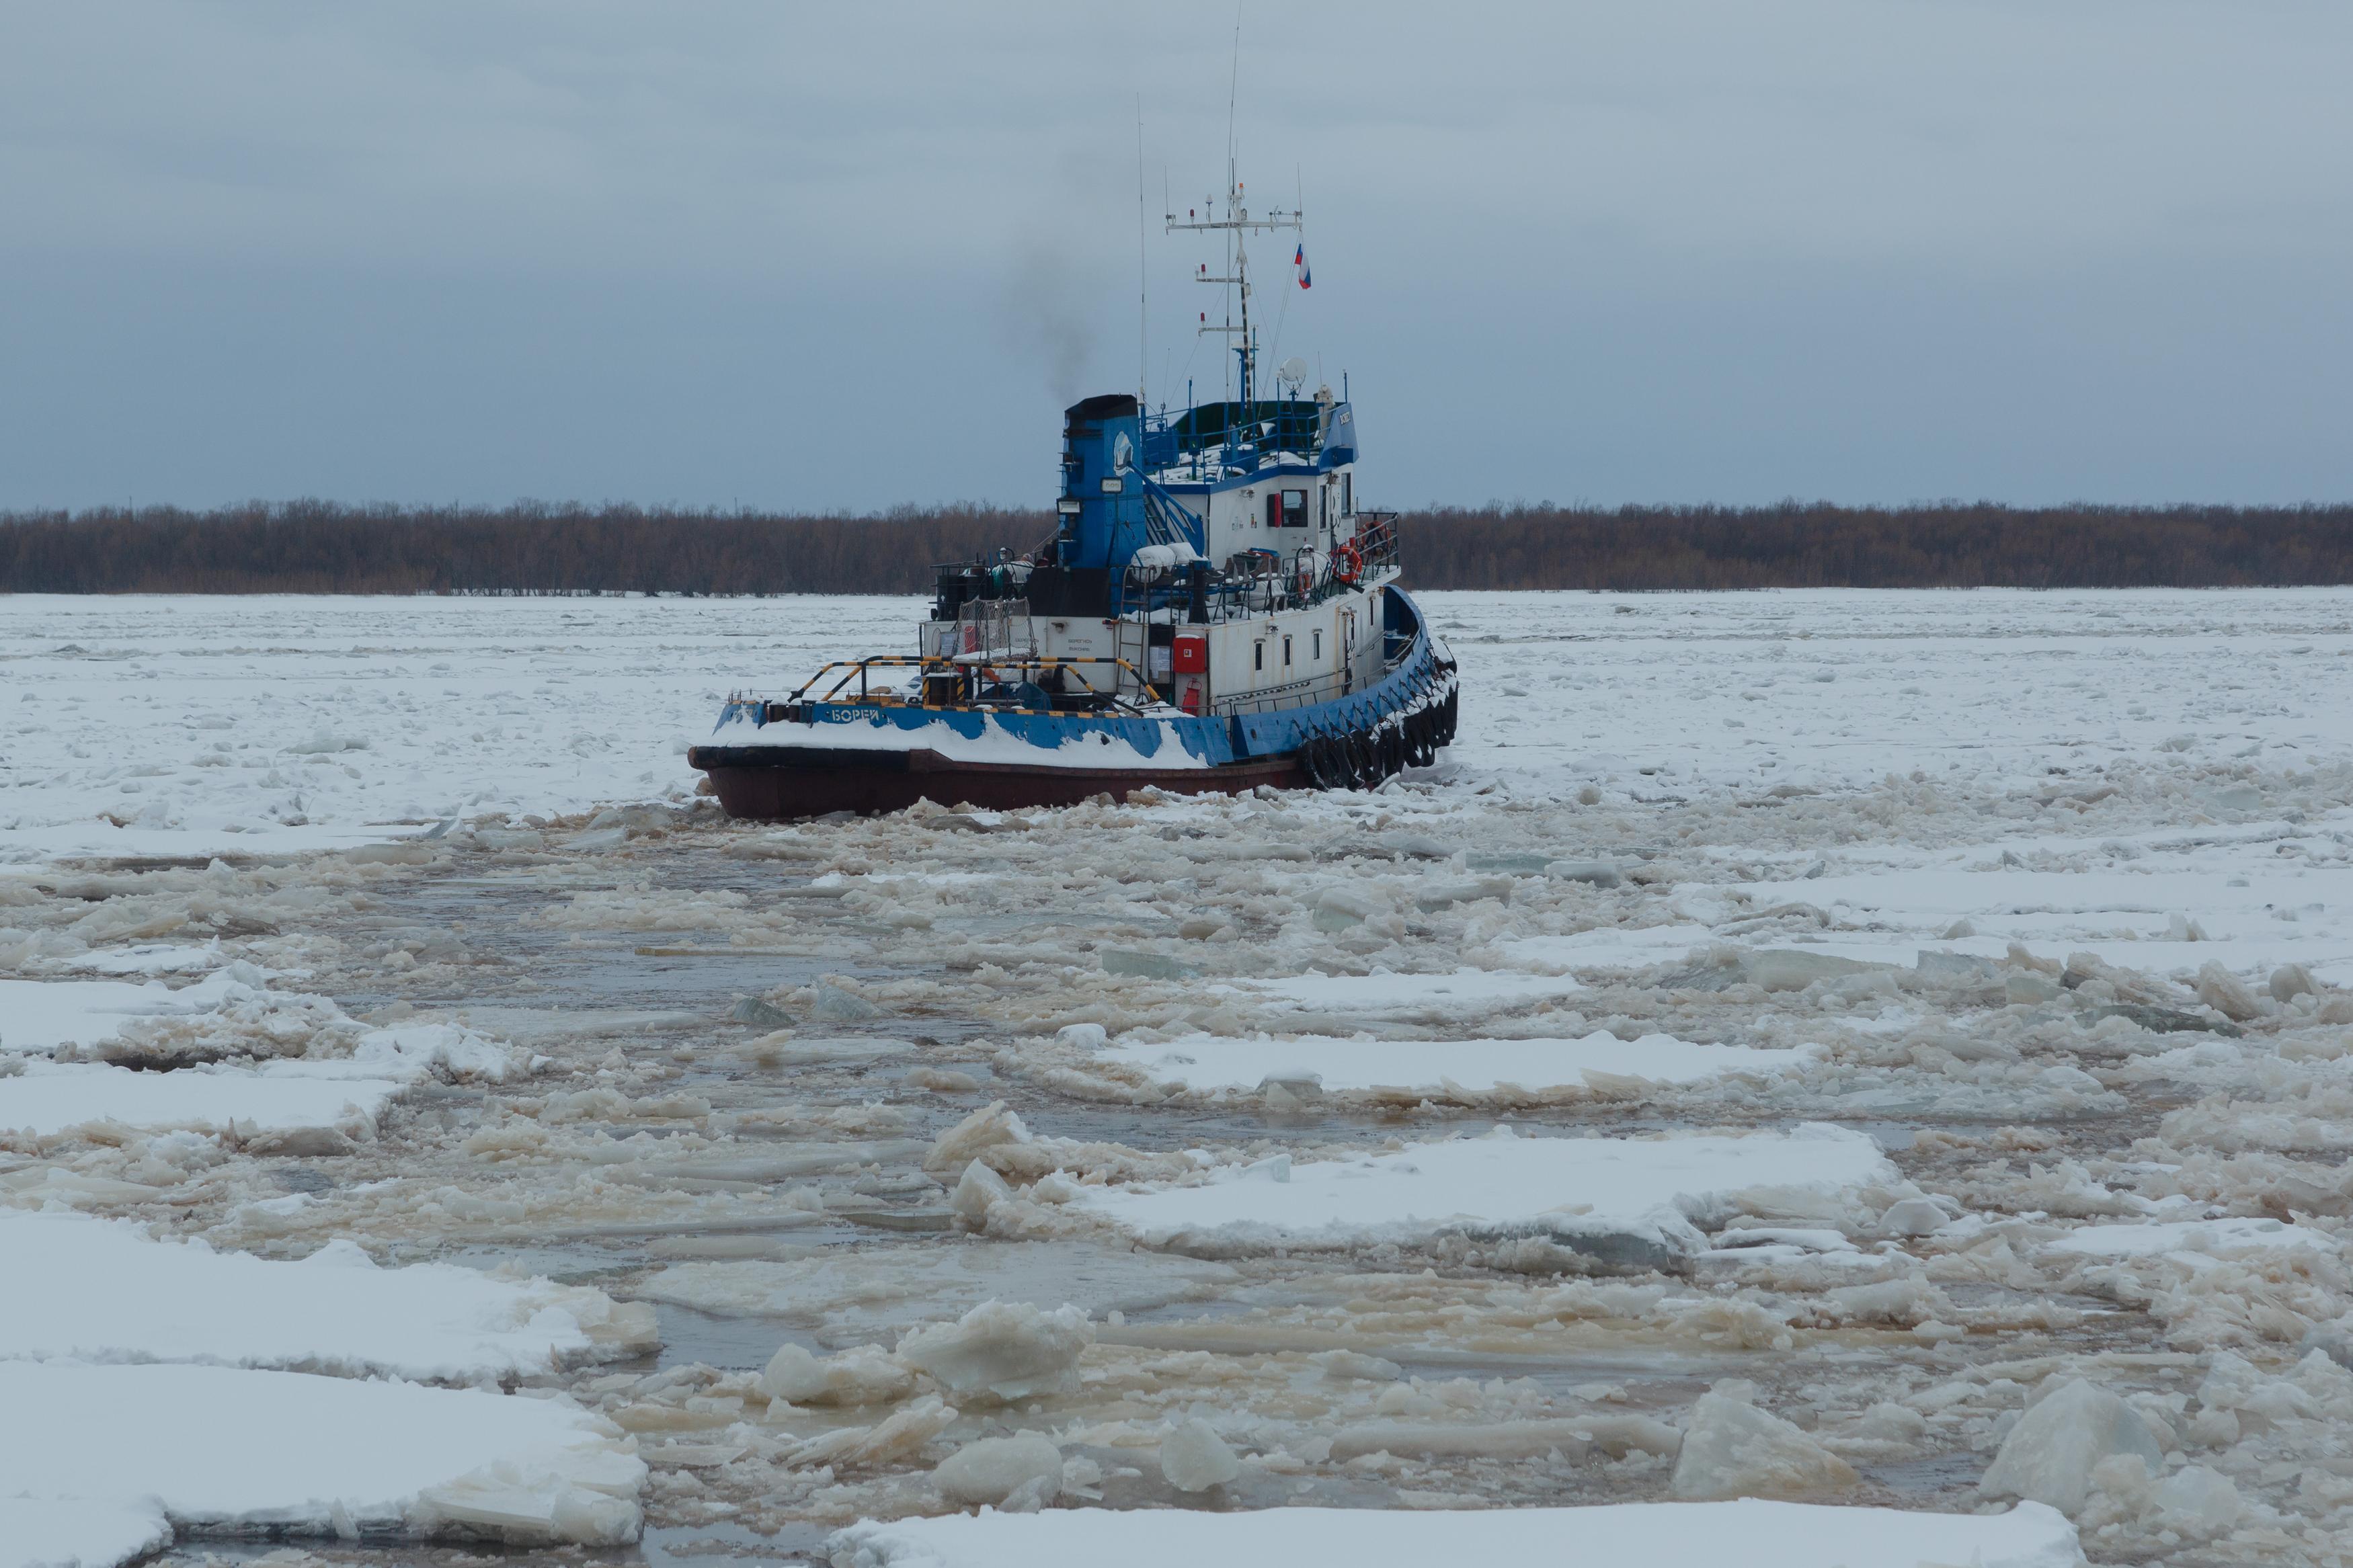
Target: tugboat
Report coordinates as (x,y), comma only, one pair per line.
(1215,612)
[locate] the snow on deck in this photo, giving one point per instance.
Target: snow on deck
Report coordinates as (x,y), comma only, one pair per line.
(1748,1534)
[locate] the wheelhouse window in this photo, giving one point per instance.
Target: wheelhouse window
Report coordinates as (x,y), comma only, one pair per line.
(1294,509)
(1348,494)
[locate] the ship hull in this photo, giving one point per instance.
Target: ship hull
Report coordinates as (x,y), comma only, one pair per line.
(776,761)
(775,783)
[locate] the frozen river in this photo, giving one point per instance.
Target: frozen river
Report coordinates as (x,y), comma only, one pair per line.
(1882,1052)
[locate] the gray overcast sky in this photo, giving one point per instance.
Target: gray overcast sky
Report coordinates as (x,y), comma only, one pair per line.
(818,257)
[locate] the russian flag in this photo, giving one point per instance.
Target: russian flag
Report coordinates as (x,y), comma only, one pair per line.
(1299,259)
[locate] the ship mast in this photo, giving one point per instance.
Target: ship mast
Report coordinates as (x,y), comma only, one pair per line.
(1239,223)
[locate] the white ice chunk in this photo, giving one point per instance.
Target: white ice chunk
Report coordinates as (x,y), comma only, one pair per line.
(1384,991)
(1631,1196)
(1914,1217)
(220,1447)
(2216,1236)
(78,1532)
(994,1469)
(42,1015)
(1193,1458)
(2048,1455)
(1733,1450)
(107,1293)
(271,1096)
(1002,1350)
(1751,1533)
(1206,1062)
(149,958)
(417,1049)
(864,1374)
(2197,1502)
(976,1191)
(984,1129)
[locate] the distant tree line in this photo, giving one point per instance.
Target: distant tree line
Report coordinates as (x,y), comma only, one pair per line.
(321,547)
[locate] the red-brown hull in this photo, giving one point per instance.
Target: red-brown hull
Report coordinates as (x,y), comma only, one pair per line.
(773,783)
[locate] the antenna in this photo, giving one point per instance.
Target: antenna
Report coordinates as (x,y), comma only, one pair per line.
(1143,314)
(1233,92)
(1237,224)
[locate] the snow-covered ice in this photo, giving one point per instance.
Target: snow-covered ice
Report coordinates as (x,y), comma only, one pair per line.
(78,1532)
(1628,1199)
(40,1016)
(220,1447)
(2215,1236)
(1755,1534)
(1206,1062)
(92,1290)
(1464,989)
(304,721)
(273,1097)
(2036,898)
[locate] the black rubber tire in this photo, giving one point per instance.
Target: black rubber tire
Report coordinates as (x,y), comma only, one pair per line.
(1421,751)
(1366,756)
(1338,774)
(1315,761)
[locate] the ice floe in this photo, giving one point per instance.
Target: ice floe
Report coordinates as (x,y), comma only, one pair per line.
(42,1015)
(1463,990)
(1752,1533)
(2199,1239)
(1630,1201)
(78,1532)
(1600,1060)
(102,1286)
(2074,958)
(217,1446)
(271,1096)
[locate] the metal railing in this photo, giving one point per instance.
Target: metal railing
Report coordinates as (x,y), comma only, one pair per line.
(971,671)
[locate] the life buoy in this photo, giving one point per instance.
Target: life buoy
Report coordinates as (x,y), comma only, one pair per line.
(1347,565)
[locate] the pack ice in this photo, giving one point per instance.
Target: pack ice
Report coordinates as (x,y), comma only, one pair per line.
(1125,1169)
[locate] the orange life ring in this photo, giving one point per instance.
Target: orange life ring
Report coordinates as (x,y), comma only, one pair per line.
(1347,565)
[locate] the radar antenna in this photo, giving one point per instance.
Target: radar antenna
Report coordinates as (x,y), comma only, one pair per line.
(1240,223)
